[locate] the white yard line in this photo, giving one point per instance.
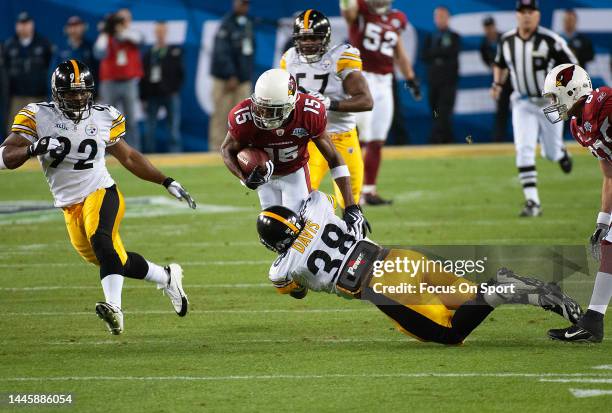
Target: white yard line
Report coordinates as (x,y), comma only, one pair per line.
(185,263)
(578,380)
(295,377)
(582,393)
(146,286)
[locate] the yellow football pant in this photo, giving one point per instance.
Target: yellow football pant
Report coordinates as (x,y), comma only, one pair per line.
(347,143)
(436,308)
(102,210)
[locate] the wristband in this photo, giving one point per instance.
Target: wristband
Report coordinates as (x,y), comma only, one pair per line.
(2,165)
(603,218)
(334,105)
(167,182)
(340,172)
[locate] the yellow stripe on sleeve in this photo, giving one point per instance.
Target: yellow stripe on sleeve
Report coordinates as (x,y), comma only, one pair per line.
(117,131)
(283,63)
(344,64)
(25,121)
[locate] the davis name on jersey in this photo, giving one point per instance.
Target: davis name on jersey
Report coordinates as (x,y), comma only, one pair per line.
(376,36)
(286,146)
(79,168)
(594,131)
(316,256)
(326,77)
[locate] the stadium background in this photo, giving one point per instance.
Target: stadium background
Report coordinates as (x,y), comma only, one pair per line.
(193,24)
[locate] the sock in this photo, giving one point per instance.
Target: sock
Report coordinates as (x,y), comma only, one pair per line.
(112,285)
(368,189)
(372,162)
(602,292)
(157,274)
(528,177)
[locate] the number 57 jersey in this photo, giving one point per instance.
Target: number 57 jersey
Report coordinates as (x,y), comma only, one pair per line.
(78,168)
(316,256)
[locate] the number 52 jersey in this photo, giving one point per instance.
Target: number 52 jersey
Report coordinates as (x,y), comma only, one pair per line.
(316,256)
(78,168)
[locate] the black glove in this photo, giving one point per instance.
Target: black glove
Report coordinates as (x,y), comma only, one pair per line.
(595,241)
(415,88)
(258,178)
(44,145)
(356,222)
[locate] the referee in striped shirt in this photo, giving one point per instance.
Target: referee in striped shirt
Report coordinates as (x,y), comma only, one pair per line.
(528,53)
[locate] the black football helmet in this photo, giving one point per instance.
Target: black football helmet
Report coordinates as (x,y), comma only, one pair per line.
(72,88)
(278,227)
(311,35)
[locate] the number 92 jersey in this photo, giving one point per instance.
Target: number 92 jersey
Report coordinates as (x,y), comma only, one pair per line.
(326,77)
(316,256)
(376,36)
(78,168)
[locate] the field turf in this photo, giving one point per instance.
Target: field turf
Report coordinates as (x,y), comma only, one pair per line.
(243,347)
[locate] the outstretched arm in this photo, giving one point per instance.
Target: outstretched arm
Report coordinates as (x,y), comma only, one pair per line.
(349,10)
(139,165)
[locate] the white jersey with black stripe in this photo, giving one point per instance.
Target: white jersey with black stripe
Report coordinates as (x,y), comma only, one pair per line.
(314,259)
(78,168)
(529,60)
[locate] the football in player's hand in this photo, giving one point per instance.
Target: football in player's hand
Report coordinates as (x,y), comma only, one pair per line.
(250,158)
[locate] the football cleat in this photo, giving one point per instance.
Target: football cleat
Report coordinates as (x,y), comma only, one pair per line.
(174,289)
(566,162)
(112,316)
(555,300)
(531,209)
(589,328)
(374,199)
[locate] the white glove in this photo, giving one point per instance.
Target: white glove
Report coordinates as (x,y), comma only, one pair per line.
(326,101)
(601,230)
(177,191)
(44,145)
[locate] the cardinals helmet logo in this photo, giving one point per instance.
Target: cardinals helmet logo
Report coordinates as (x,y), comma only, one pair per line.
(564,76)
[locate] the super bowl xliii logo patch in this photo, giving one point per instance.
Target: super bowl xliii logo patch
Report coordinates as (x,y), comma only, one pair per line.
(299,132)
(588,127)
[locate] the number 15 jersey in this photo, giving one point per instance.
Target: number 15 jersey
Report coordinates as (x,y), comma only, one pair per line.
(78,168)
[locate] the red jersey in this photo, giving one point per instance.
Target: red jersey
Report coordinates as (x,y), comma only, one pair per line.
(122,61)
(287,146)
(595,131)
(376,36)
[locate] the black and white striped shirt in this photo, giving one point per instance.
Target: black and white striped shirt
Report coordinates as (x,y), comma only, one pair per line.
(528,61)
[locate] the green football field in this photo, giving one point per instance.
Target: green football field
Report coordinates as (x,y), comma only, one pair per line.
(243,347)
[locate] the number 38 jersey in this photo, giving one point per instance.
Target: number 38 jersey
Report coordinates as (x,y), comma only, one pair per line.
(78,168)
(316,256)
(326,77)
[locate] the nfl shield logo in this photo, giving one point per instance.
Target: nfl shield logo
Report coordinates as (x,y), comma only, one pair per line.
(280,132)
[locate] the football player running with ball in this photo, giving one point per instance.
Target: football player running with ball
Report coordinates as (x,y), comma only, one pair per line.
(318,252)
(70,137)
(281,121)
(375,29)
(333,75)
(569,88)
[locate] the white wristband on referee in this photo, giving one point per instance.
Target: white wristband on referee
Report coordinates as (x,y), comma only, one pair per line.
(340,172)
(603,218)
(2,165)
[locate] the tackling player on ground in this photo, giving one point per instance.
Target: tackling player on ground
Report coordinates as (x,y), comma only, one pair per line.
(375,29)
(282,121)
(333,75)
(70,136)
(570,90)
(317,252)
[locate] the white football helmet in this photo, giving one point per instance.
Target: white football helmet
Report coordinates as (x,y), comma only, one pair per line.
(274,99)
(564,86)
(379,6)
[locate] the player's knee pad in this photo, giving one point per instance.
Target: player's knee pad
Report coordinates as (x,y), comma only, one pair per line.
(110,263)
